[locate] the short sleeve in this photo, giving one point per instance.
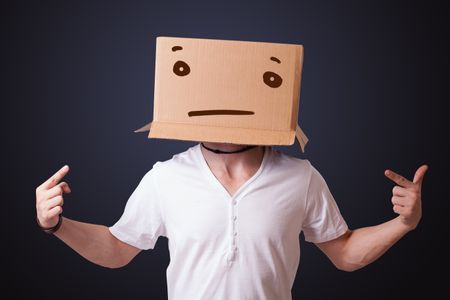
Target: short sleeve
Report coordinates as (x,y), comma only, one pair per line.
(141,222)
(323,220)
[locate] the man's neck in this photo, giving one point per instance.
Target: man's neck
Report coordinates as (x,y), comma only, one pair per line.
(247,161)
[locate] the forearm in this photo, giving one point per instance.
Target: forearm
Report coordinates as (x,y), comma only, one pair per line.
(365,245)
(93,242)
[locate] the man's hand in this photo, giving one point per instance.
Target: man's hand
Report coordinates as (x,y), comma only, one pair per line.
(49,199)
(406,196)
(362,246)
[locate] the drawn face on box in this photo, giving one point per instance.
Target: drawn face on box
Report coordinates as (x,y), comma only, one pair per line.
(240,87)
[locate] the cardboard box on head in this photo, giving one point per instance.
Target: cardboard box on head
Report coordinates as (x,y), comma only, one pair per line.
(227,92)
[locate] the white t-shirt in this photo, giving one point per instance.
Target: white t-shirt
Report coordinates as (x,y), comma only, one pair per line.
(222,247)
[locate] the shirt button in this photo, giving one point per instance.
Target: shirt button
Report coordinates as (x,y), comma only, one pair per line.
(234,218)
(234,202)
(235,234)
(231,256)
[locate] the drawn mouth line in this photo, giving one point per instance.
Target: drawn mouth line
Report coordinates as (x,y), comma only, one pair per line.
(195,113)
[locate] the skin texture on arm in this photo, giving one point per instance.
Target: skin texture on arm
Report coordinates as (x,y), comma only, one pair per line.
(93,242)
(358,248)
(96,243)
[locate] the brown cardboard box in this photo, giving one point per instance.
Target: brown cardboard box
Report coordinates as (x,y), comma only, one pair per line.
(227,91)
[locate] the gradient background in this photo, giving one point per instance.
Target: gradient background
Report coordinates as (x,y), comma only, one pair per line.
(77,79)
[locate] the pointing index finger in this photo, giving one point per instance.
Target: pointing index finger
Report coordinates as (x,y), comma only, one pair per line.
(398,179)
(56,178)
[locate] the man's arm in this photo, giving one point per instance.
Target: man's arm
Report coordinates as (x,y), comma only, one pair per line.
(93,242)
(358,248)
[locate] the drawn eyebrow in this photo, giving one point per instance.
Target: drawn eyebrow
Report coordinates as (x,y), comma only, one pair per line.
(275,59)
(176,48)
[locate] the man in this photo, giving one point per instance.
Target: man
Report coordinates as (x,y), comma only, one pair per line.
(232,215)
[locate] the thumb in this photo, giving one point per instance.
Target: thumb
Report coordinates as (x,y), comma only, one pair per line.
(420,173)
(65,187)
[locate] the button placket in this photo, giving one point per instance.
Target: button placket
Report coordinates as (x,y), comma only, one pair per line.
(233,246)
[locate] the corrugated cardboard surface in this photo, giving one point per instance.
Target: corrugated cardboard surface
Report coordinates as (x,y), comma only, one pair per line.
(248,136)
(226,75)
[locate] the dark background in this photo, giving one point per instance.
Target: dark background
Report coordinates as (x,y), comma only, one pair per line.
(77,79)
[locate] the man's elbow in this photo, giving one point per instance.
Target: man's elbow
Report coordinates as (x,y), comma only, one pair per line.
(350,264)
(119,255)
(115,264)
(119,258)
(349,267)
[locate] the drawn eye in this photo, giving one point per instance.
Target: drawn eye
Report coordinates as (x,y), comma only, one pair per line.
(272,79)
(181,68)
